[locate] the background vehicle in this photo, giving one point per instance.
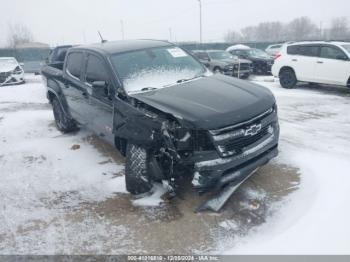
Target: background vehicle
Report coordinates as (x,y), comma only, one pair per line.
(11,72)
(170,116)
(316,62)
(272,50)
(57,55)
(262,62)
(220,61)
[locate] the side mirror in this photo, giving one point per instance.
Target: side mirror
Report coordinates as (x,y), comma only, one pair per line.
(99,84)
(21,64)
(99,89)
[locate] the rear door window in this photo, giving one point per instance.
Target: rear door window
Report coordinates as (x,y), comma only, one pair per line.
(304,50)
(75,64)
(331,52)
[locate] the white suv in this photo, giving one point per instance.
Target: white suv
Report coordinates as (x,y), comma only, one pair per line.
(315,62)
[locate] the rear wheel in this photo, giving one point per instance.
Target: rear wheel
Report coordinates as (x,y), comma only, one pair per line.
(137,175)
(288,78)
(63,123)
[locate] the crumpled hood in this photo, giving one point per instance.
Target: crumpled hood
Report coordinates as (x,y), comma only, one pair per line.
(210,102)
(7,67)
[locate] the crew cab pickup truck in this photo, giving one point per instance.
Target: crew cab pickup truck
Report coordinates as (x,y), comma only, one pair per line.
(168,114)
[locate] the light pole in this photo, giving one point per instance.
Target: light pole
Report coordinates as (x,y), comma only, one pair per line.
(200,21)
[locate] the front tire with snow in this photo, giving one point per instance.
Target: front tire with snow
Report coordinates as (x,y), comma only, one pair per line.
(63,123)
(137,177)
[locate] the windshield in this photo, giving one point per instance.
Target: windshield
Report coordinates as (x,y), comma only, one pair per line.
(155,68)
(258,53)
(9,61)
(347,48)
(219,55)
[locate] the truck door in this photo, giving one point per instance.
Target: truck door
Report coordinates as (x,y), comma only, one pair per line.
(73,88)
(101,93)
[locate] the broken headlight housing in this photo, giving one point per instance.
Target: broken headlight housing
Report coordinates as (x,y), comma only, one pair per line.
(17,71)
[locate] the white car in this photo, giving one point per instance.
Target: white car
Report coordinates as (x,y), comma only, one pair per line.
(315,62)
(11,72)
(273,49)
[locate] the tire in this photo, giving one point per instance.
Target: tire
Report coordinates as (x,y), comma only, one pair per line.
(137,177)
(63,123)
(287,78)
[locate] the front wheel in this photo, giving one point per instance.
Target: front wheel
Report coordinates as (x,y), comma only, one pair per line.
(288,78)
(137,175)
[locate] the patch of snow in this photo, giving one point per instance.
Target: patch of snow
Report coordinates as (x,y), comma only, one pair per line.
(154,199)
(237,47)
(314,138)
(157,78)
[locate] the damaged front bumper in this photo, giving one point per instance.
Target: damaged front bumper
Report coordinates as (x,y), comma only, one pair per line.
(237,156)
(8,78)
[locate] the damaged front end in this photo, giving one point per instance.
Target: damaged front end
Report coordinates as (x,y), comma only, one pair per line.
(218,161)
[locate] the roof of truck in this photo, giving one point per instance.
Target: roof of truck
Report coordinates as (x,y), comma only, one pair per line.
(121,46)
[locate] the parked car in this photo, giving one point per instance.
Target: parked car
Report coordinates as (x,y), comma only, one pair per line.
(11,72)
(315,62)
(272,50)
(262,62)
(166,113)
(57,55)
(223,62)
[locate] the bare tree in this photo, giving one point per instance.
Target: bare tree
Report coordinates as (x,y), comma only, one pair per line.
(249,33)
(339,29)
(232,36)
(18,34)
(301,28)
(270,31)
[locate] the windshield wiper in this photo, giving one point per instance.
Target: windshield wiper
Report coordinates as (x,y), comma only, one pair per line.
(148,88)
(189,79)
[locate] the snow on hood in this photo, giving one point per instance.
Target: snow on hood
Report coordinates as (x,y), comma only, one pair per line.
(156,78)
(236,47)
(5,67)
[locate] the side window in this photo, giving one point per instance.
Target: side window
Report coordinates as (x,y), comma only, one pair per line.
(95,70)
(304,50)
(332,53)
(74,64)
(202,56)
(308,50)
(292,50)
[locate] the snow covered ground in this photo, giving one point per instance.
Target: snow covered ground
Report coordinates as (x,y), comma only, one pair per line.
(315,137)
(65,194)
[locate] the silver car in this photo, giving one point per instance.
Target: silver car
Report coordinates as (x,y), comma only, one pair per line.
(223,62)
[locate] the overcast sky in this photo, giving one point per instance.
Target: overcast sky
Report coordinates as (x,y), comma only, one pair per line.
(77,21)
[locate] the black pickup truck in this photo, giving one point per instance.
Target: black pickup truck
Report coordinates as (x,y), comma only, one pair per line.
(166,113)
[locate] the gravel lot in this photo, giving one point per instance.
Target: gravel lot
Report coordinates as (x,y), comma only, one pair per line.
(65,194)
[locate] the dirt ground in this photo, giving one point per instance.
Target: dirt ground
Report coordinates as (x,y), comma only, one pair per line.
(174,227)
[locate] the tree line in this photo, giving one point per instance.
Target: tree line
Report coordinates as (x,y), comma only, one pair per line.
(302,28)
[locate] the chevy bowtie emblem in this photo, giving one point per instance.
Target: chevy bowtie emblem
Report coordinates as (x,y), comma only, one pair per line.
(252,130)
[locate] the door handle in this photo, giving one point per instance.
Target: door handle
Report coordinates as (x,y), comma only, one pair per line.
(295,60)
(85,94)
(319,62)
